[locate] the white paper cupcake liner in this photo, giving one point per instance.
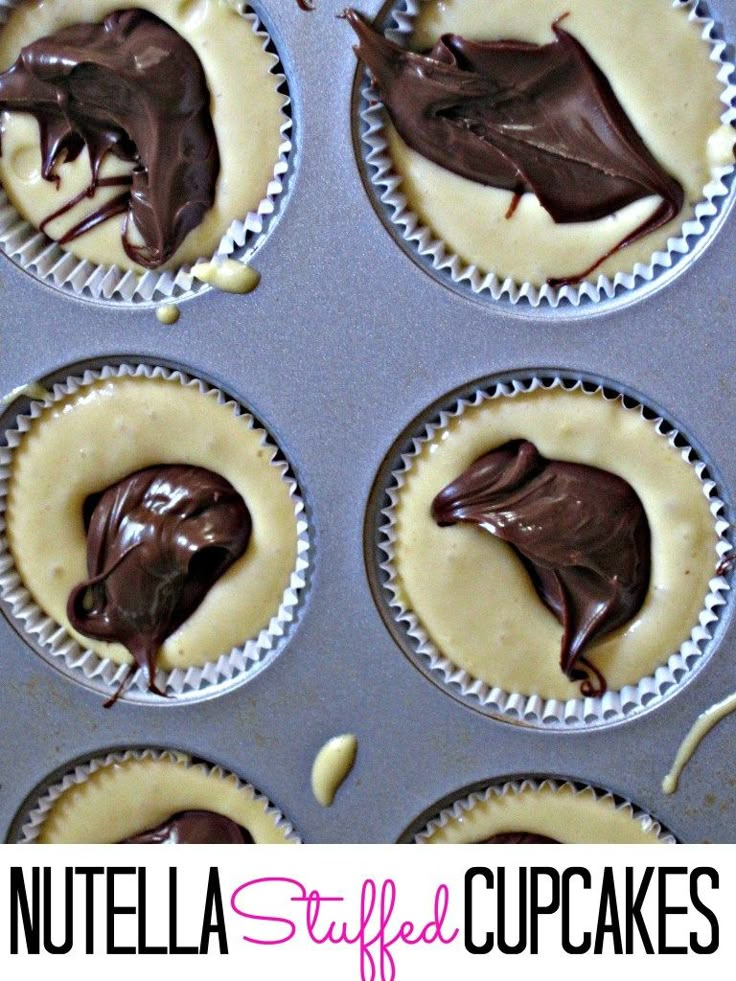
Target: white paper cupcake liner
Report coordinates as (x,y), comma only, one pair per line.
(534,710)
(45,259)
(458,810)
(64,652)
(32,821)
(420,239)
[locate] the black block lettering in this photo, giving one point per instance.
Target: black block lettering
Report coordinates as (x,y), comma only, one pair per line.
(487,946)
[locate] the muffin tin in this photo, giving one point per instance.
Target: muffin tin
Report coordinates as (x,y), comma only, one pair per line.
(346,343)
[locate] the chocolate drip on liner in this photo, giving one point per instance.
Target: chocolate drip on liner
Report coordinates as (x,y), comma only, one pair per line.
(581,533)
(157,541)
(727,562)
(133,87)
(194,828)
(526,118)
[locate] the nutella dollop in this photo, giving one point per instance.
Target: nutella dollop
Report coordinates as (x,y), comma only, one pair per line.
(581,533)
(157,541)
(133,87)
(527,118)
(519,838)
(194,828)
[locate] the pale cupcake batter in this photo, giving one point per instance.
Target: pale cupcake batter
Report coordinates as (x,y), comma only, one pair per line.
(229,276)
(472,594)
(247,112)
(32,390)
(116,427)
(646,50)
(168,314)
(563,813)
(698,731)
(123,799)
(332,766)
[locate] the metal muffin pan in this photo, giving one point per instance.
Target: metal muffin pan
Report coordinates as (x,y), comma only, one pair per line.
(343,344)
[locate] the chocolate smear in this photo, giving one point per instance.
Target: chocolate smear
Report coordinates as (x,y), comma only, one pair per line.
(194,828)
(133,87)
(157,541)
(526,118)
(581,533)
(519,838)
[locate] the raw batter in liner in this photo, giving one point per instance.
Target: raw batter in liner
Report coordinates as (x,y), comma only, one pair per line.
(124,799)
(563,813)
(111,429)
(473,596)
(646,50)
(247,113)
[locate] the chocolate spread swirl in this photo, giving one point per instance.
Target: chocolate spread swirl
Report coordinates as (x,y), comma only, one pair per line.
(519,838)
(130,86)
(194,828)
(526,118)
(581,533)
(157,541)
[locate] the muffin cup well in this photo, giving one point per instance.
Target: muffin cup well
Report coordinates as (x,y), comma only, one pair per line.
(65,652)
(47,261)
(441,259)
(457,813)
(533,709)
(36,814)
